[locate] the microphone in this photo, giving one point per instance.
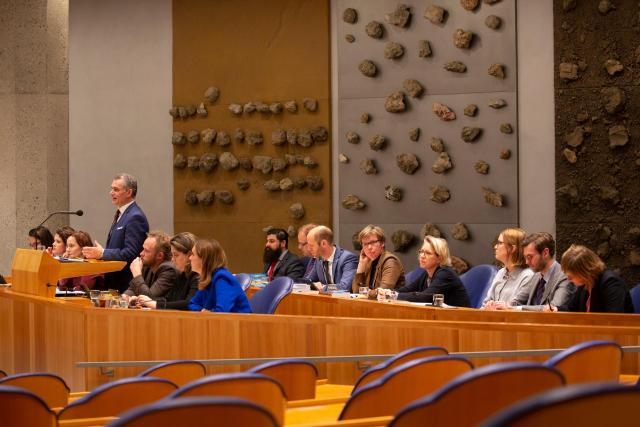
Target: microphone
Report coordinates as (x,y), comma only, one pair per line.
(79,212)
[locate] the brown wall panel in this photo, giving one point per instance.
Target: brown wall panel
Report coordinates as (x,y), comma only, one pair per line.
(252,51)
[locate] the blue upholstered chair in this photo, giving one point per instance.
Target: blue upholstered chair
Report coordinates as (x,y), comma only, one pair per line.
(198,411)
(244,279)
(581,405)
(297,377)
(477,282)
(266,300)
(109,400)
(256,388)
(398,359)
(20,407)
(413,275)
(590,361)
(635,298)
(402,385)
(52,389)
(478,394)
(179,372)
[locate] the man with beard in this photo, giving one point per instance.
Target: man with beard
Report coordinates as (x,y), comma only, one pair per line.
(335,265)
(153,272)
(552,288)
(278,261)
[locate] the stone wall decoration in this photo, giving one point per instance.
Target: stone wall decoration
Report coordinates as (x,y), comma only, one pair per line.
(228,161)
(206,198)
(402,240)
(225,197)
(296,210)
(212,94)
(352,202)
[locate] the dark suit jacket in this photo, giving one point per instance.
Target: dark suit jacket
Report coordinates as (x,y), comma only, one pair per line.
(124,243)
(610,294)
(290,266)
(345,264)
(181,293)
(444,281)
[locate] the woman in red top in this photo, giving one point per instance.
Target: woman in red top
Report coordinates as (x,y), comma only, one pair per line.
(75,243)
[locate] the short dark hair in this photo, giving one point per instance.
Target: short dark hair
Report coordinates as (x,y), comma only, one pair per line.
(64,232)
(541,241)
(82,238)
(42,235)
(130,182)
(280,234)
(162,243)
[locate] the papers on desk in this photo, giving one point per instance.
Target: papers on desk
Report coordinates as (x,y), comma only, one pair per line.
(70,259)
(301,287)
(60,293)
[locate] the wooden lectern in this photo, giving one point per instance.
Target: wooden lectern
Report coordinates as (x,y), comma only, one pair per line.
(37,273)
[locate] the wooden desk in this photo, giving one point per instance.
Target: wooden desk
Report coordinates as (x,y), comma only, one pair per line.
(44,334)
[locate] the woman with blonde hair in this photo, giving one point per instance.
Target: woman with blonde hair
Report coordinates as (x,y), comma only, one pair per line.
(514,277)
(439,277)
(219,290)
(599,290)
(377,267)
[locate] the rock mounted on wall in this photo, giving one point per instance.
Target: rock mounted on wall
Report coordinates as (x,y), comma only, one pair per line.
(401,240)
(609,194)
(570,155)
(238,135)
(191,197)
(368,166)
(440,194)
(443,112)
(201,111)
(276,108)
(299,182)
(304,137)
(605,6)
(575,138)
(435,14)
(342,158)
(505,154)
(393,50)
(208,162)
(506,128)
(492,198)
(469,5)
(178,138)
(286,184)
(568,71)
(225,197)
(310,104)
(243,184)
(497,70)
(212,94)
(262,163)
(352,137)
(471,110)
(393,193)
(254,137)
(613,66)
(292,136)
(368,68)
(193,163)
(374,29)
(365,118)
(222,139)
(180,161)
(262,107)
(292,231)
(291,106)
(350,38)
(206,197)
(401,17)
(459,231)
(570,192)
(614,99)
(271,185)
(350,16)
(182,113)
(424,49)
(455,67)
(278,164)
(246,164)
(618,136)
(278,137)
(408,163)
(296,211)
(430,230)
(497,103)
(228,161)
(353,203)
(319,134)
(492,21)
(208,135)
(377,142)
(442,164)
(414,134)
(191,110)
(315,182)
(462,39)
(290,159)
(394,103)
(235,109)
(470,134)
(437,145)
(193,136)
(173,112)
(459,265)
(413,88)
(481,167)
(310,162)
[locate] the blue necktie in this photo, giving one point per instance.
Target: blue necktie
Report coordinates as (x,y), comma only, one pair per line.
(537,298)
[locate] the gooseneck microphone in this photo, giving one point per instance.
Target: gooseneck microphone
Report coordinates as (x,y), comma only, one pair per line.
(79,212)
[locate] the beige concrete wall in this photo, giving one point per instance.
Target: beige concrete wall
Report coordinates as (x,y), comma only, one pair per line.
(120,94)
(34,98)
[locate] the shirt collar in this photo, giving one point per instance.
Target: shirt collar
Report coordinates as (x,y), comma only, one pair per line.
(284,252)
(550,271)
(124,207)
(330,259)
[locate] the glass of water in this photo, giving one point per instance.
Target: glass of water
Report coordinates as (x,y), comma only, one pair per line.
(94,295)
(438,300)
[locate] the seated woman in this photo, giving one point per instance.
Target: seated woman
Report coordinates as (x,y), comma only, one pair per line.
(434,258)
(186,285)
(599,290)
(377,267)
(40,238)
(59,246)
(514,277)
(75,243)
(219,290)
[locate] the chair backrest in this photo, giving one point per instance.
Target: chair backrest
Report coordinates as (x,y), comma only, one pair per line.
(380,369)
(590,361)
(49,387)
(582,405)
(413,275)
(476,395)
(179,372)
(297,377)
(402,385)
(20,407)
(256,388)
(244,279)
(266,300)
(111,399)
(2,373)
(198,411)
(635,298)
(477,282)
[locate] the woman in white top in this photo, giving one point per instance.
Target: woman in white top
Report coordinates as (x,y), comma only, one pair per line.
(514,277)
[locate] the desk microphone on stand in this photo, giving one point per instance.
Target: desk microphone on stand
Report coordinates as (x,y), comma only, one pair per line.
(79,212)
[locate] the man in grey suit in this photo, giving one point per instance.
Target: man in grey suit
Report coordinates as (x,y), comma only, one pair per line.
(551,286)
(335,265)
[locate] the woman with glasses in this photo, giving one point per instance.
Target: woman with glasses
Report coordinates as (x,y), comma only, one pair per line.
(512,279)
(377,267)
(440,278)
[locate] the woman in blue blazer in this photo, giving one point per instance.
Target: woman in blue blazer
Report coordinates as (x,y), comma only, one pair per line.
(219,290)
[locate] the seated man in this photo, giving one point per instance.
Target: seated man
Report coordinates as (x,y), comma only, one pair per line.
(307,259)
(551,287)
(334,264)
(153,272)
(278,261)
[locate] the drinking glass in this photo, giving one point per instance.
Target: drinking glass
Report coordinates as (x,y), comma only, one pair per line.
(363,290)
(94,295)
(438,300)
(392,295)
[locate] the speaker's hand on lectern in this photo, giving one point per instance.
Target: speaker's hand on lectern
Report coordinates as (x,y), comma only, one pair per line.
(93,252)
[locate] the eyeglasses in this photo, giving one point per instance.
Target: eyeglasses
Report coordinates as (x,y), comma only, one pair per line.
(424,253)
(370,243)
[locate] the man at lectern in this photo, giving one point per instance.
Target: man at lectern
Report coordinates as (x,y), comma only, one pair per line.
(126,235)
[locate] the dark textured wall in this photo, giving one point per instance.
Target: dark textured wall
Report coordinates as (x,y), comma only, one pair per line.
(597,54)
